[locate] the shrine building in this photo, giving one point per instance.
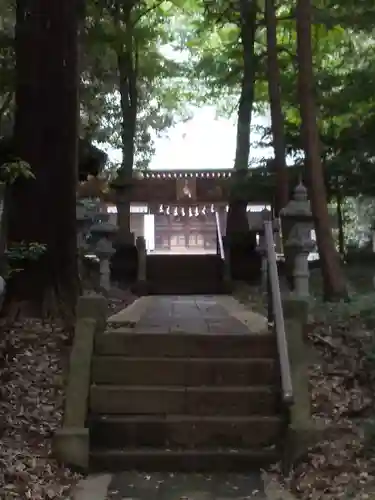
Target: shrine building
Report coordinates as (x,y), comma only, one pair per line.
(176,210)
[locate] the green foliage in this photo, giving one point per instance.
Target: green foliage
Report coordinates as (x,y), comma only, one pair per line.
(208,71)
(18,253)
(7,64)
(344,55)
(14,170)
(25,251)
(162,87)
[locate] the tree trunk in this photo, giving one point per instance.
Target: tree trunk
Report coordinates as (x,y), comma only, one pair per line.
(333,276)
(43,210)
(237,219)
(340,222)
(277,117)
(127,71)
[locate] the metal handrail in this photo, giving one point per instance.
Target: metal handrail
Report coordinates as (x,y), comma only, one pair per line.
(278,315)
(219,236)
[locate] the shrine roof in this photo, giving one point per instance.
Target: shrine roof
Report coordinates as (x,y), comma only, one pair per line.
(181,174)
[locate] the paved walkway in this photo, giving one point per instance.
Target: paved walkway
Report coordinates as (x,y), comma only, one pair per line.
(189,314)
(186,314)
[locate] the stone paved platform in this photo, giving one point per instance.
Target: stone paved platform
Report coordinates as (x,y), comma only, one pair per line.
(190,314)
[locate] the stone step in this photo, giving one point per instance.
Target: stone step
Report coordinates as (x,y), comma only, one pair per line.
(187,287)
(130,343)
(185,274)
(193,460)
(157,400)
(122,370)
(183,264)
(181,430)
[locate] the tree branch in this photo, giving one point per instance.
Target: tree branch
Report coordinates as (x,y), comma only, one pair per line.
(291,17)
(147,11)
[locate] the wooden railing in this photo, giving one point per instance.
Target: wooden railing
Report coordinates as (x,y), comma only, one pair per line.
(219,236)
(276,314)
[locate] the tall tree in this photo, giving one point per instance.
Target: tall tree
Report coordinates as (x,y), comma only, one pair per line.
(123,51)
(127,63)
(43,210)
(277,117)
(237,219)
(333,277)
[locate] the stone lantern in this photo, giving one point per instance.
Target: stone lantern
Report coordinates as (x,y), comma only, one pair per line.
(102,230)
(104,250)
(103,235)
(299,243)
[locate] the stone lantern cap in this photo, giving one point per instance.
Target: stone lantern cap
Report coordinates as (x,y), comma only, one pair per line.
(103,228)
(104,248)
(299,206)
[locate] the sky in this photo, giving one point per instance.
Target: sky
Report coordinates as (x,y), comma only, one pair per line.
(204,142)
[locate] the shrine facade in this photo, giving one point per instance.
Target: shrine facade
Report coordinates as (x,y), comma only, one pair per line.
(185,228)
(181,228)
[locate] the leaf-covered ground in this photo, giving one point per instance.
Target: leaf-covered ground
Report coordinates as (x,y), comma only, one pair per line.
(342,465)
(342,383)
(33,362)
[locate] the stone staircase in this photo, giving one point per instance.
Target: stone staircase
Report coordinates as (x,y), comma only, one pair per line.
(184,401)
(185,274)
(178,383)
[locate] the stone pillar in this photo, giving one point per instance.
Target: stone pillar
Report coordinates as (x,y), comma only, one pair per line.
(302,431)
(298,245)
(71,441)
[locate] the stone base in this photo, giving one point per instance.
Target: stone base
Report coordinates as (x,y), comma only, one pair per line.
(71,446)
(296,308)
(298,441)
